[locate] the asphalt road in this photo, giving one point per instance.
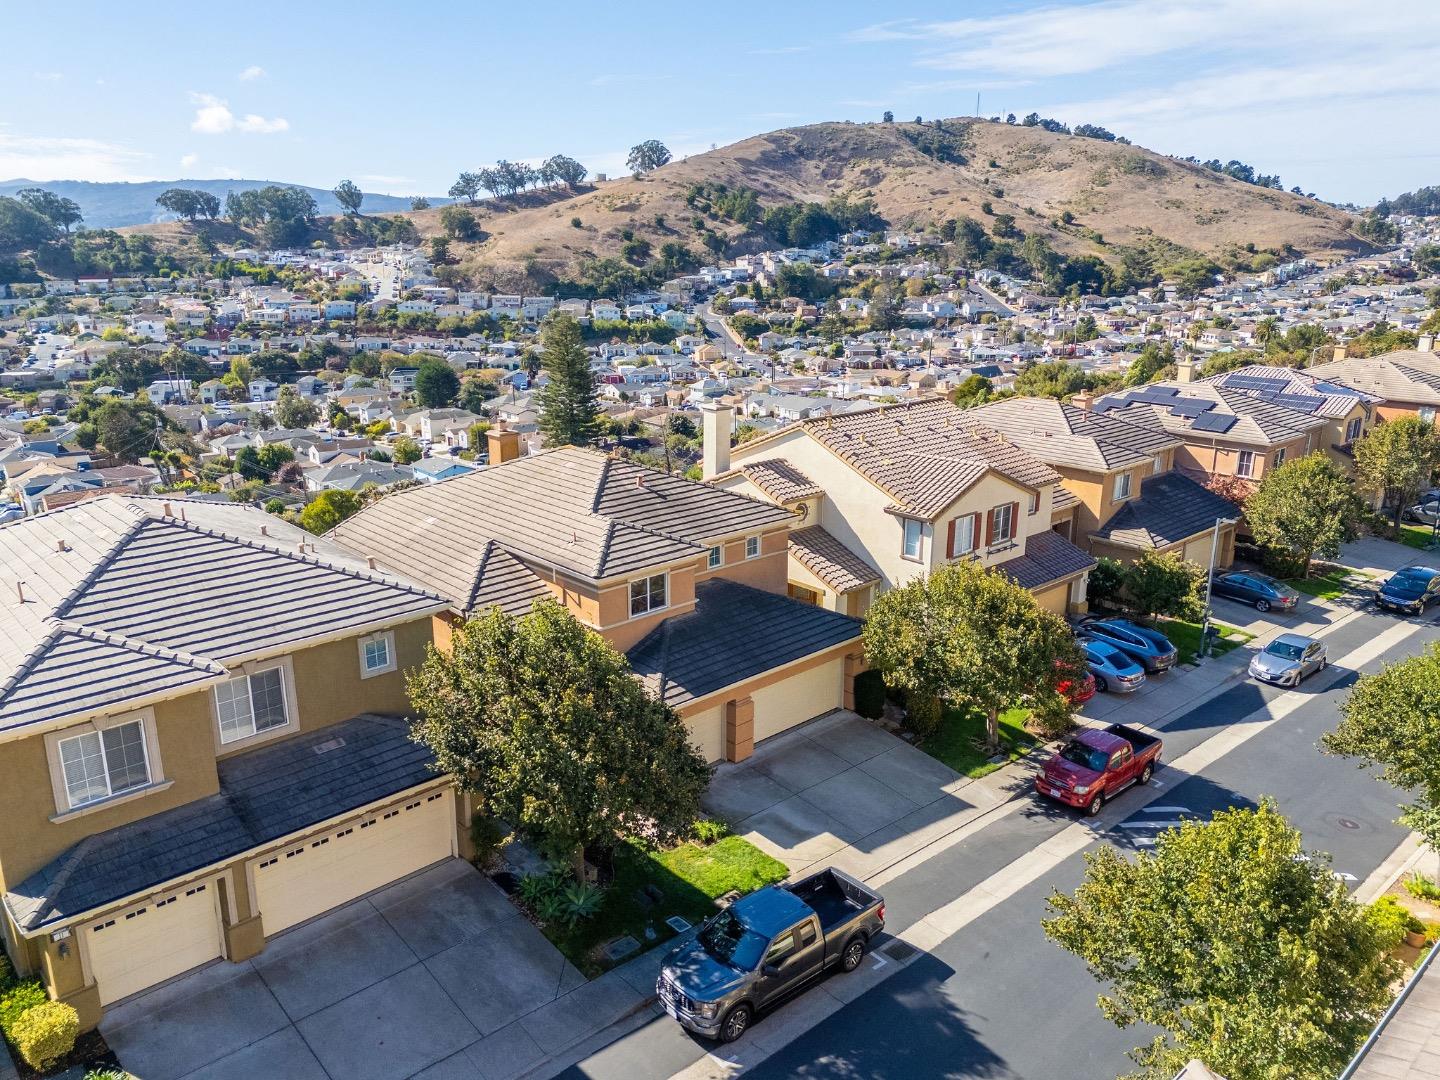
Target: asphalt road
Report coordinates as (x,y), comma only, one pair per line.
(997,1000)
(718,334)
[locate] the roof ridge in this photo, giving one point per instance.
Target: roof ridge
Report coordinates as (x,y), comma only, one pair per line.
(28,662)
(479,575)
(109,637)
(600,483)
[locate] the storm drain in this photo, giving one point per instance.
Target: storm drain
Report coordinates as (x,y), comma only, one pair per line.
(899,951)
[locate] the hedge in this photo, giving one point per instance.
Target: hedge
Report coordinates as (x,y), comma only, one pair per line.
(46,1033)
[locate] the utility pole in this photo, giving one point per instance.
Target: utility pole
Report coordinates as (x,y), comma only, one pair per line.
(1209,580)
(977,103)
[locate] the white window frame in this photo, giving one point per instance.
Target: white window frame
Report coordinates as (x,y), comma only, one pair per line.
(1427,413)
(906,524)
(1279,458)
(106,775)
(386,638)
(995,535)
(1158,466)
(287,700)
(154,767)
(1034,506)
(647,583)
(1354,428)
(752,547)
(1245,463)
(1124,487)
(715,557)
(959,548)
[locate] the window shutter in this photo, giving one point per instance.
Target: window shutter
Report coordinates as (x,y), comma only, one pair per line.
(990,527)
(950,543)
(975,532)
(1014,520)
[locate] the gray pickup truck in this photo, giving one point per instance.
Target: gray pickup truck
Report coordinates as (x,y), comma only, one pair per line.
(766,946)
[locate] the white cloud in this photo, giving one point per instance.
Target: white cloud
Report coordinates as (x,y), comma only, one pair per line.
(188,160)
(213,117)
(251,73)
(45,157)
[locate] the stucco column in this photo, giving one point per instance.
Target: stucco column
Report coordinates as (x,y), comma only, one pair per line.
(64,977)
(244,929)
(739,729)
(855,664)
(1079,595)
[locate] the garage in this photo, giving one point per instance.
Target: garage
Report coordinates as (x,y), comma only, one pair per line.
(141,946)
(800,697)
(354,858)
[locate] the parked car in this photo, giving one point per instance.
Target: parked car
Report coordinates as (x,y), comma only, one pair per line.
(1076,691)
(1096,764)
(1249,587)
(1426,510)
(1111,668)
(1410,590)
(766,946)
(1288,659)
(1149,648)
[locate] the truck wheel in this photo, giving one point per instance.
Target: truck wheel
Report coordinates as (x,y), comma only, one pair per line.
(1145,775)
(736,1021)
(853,954)
(1096,804)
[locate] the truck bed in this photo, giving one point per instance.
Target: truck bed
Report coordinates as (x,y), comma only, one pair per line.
(834,896)
(1134,736)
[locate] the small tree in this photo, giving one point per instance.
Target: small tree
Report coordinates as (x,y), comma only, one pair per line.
(407,451)
(647,157)
(568,410)
(1398,457)
(327,510)
(348,194)
(1306,506)
(459,223)
(1392,719)
(436,383)
(544,723)
(967,635)
(1245,950)
(293,411)
(1164,584)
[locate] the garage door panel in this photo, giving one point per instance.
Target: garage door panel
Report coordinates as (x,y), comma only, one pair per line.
(145,945)
(803,696)
(301,882)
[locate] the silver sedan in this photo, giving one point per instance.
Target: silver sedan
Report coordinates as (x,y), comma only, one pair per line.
(1288,659)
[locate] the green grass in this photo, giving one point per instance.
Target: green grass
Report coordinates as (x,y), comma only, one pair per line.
(690,878)
(1416,536)
(1326,586)
(959,742)
(1185,636)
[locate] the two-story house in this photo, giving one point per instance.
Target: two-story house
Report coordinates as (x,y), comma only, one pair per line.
(202,739)
(688,580)
(892,492)
(1406,381)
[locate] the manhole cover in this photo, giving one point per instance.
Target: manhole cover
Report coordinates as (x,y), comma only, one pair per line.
(1347,823)
(899,951)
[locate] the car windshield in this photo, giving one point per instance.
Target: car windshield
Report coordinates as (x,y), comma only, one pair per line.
(1285,649)
(726,939)
(1408,584)
(1086,757)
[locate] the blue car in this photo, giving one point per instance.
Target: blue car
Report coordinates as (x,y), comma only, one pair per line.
(1113,670)
(1410,590)
(1250,587)
(1149,648)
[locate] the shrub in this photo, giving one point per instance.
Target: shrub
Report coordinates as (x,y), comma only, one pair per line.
(924,715)
(708,830)
(1106,581)
(274,506)
(553,907)
(46,1033)
(535,889)
(17,1000)
(7,973)
(107,1074)
(1422,887)
(486,834)
(870,694)
(575,223)
(1392,921)
(581,900)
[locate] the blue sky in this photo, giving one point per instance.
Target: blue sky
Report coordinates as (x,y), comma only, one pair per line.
(1342,99)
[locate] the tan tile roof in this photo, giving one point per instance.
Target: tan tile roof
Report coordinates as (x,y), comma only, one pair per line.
(1058,433)
(1332,398)
(1257,421)
(832,562)
(781,480)
(1410,376)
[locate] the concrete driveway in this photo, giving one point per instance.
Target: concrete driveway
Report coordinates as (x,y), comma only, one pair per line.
(437,976)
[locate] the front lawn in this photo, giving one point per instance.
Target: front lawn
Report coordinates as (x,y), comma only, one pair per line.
(1327,586)
(959,742)
(1185,636)
(689,878)
(1416,536)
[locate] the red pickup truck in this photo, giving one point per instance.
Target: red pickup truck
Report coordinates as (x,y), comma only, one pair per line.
(1096,764)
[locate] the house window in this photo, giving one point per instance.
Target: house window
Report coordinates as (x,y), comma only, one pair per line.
(99,764)
(1002,523)
(1157,467)
(1352,429)
(1245,463)
(251,704)
(962,535)
(752,547)
(1427,414)
(911,540)
(1122,486)
(647,594)
(1034,506)
(377,654)
(1279,457)
(803,593)
(715,557)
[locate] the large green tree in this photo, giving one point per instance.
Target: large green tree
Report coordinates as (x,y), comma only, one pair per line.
(1164,583)
(967,636)
(56,209)
(348,194)
(1398,457)
(568,410)
(1246,950)
(647,156)
(294,411)
(1392,719)
(1307,507)
(328,509)
(128,430)
(436,383)
(542,720)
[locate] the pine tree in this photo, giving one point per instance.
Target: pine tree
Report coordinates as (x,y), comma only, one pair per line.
(568,411)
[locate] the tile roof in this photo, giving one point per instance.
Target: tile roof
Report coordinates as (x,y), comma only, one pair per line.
(1180,408)
(1408,376)
(581,511)
(1048,558)
(122,601)
(265,794)
(1332,399)
(734,633)
(924,454)
(830,560)
(1170,508)
(781,480)
(1061,434)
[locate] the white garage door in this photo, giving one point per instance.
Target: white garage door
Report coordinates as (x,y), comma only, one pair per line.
(135,949)
(355,858)
(799,698)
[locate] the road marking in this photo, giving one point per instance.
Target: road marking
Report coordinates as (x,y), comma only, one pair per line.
(877,961)
(1165,810)
(1149,824)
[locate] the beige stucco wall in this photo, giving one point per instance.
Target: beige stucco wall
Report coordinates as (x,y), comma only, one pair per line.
(707,731)
(1221,459)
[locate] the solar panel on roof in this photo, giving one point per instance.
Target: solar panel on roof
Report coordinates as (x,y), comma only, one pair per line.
(1301,402)
(1192,407)
(1256,382)
(1214,422)
(1334,389)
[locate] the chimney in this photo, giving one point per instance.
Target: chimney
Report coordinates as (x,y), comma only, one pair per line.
(1426,343)
(1083,400)
(503,445)
(717,423)
(1340,352)
(1185,370)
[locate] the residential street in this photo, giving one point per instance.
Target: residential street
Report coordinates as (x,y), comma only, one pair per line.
(993,997)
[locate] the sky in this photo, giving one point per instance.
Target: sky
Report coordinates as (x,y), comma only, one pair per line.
(1340,98)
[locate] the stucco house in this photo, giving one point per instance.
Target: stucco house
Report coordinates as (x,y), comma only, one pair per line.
(1406,382)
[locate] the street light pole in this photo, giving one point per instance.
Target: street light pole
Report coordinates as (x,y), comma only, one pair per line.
(1209,580)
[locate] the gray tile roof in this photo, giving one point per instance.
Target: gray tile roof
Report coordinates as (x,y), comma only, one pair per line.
(1060,434)
(734,633)
(831,561)
(1170,508)
(124,599)
(1409,376)
(265,794)
(588,514)
(1257,421)
(1332,399)
(1048,558)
